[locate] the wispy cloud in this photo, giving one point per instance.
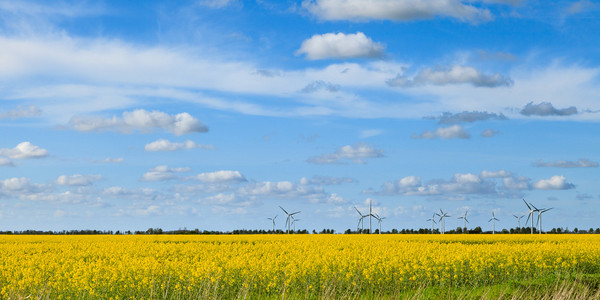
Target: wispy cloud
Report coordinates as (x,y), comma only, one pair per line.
(467,117)
(453,75)
(162,173)
(581,163)
(78,179)
(163,145)
(21,112)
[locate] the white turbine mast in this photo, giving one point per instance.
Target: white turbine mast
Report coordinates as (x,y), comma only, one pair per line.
(287,220)
(294,223)
(273,220)
(532,210)
(432,221)
(518,220)
(360,221)
(379,219)
(465,221)
(442,215)
(493,220)
(543,210)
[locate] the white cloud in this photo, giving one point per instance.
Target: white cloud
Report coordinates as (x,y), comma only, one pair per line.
(460,184)
(319,85)
(489,133)
(448,76)
(223,176)
(216,3)
(287,190)
(326,180)
(161,173)
(5,162)
(24,150)
(356,154)
(497,174)
(581,163)
(140,119)
(20,186)
(367,133)
(110,160)
(21,112)
(547,109)
(556,182)
(407,10)
(447,133)
(77,179)
(341,46)
(162,145)
(516,183)
(467,117)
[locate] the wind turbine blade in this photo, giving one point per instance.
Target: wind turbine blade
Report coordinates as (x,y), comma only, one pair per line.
(527,204)
(275,217)
(515,216)
(284,210)
(466,220)
(529,215)
(535,208)
(547,209)
(358,211)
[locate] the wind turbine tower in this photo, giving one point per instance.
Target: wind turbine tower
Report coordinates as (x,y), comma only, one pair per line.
(518,220)
(465,221)
(532,210)
(273,220)
(432,221)
(379,219)
(287,220)
(543,210)
(493,220)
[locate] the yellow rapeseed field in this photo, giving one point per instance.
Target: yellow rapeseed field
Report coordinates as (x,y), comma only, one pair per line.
(259,266)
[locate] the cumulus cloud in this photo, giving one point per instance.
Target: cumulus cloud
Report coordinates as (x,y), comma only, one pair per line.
(320,85)
(467,117)
(454,75)
(460,184)
(223,176)
(447,133)
(24,150)
(556,182)
(21,186)
(341,46)
(581,163)
(288,190)
(516,183)
(162,173)
(547,109)
(407,10)
(77,179)
(142,120)
(497,174)
(21,112)
(163,145)
(356,154)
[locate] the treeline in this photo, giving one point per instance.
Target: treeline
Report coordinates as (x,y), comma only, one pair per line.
(476,230)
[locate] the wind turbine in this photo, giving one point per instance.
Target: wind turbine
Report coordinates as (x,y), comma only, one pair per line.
(273,220)
(360,221)
(494,222)
(287,220)
(519,220)
(294,223)
(543,210)
(465,221)
(442,215)
(531,212)
(379,219)
(432,221)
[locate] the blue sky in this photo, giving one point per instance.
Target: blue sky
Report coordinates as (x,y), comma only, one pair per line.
(210,114)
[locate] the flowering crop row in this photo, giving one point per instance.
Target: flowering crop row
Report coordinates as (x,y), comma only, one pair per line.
(236,266)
